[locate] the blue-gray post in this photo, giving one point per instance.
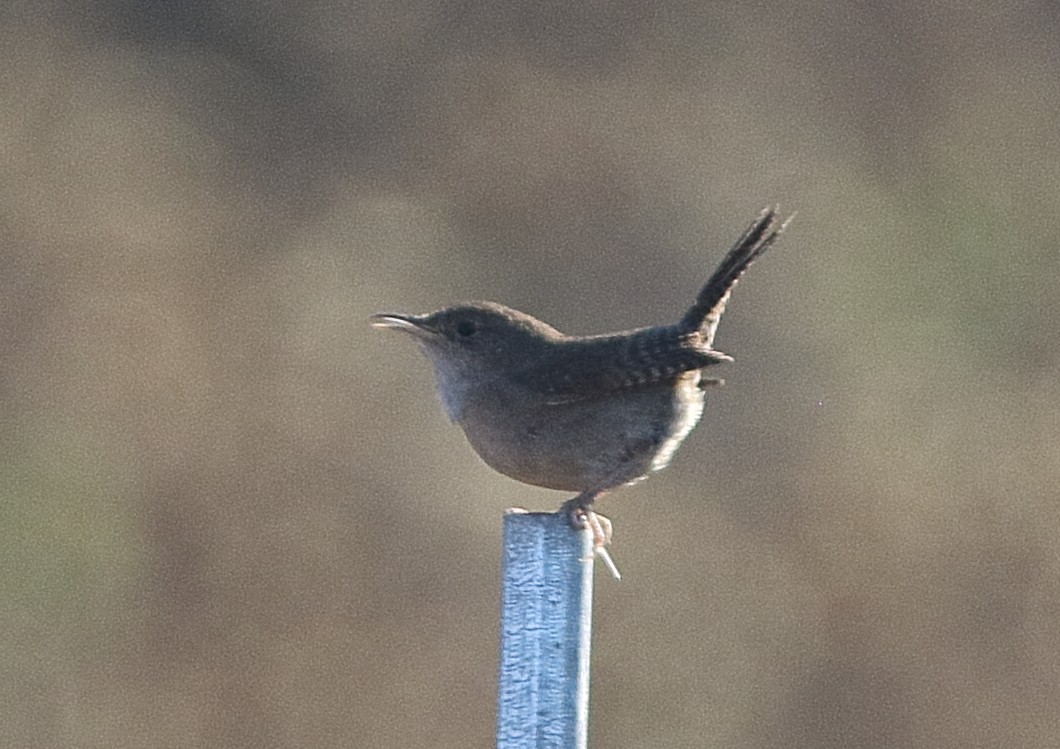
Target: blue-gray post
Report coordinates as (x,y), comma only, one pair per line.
(546,622)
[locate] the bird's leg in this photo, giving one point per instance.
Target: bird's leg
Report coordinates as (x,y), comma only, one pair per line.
(581,515)
(579,512)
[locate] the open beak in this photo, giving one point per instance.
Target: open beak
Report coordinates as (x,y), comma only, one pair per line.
(408,323)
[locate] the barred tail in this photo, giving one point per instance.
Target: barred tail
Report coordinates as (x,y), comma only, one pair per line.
(706,312)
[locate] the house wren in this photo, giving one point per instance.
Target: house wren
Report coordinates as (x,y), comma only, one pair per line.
(579,413)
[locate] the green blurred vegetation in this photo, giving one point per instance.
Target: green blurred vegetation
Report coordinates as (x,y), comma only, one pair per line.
(233,515)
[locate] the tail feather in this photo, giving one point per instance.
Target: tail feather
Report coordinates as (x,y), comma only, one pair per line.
(710,304)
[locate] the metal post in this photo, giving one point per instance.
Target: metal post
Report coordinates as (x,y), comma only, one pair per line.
(546,622)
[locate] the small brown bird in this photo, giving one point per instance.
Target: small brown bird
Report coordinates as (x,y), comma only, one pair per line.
(578,413)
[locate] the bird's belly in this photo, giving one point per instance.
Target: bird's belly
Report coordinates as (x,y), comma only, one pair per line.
(587,444)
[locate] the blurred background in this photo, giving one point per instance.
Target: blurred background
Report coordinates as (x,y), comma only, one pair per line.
(234,515)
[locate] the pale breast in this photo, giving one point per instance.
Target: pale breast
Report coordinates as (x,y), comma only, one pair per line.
(589,444)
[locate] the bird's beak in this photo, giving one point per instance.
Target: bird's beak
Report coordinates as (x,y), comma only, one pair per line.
(413,324)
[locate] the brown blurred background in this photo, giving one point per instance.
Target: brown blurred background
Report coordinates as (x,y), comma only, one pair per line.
(233,515)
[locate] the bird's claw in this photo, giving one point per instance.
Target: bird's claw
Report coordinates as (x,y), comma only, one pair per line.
(582,517)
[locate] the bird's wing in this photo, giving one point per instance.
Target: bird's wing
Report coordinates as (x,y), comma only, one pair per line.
(591,367)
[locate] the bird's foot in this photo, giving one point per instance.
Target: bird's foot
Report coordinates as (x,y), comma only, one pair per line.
(581,515)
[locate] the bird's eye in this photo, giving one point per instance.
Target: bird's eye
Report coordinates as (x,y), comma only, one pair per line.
(466,328)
